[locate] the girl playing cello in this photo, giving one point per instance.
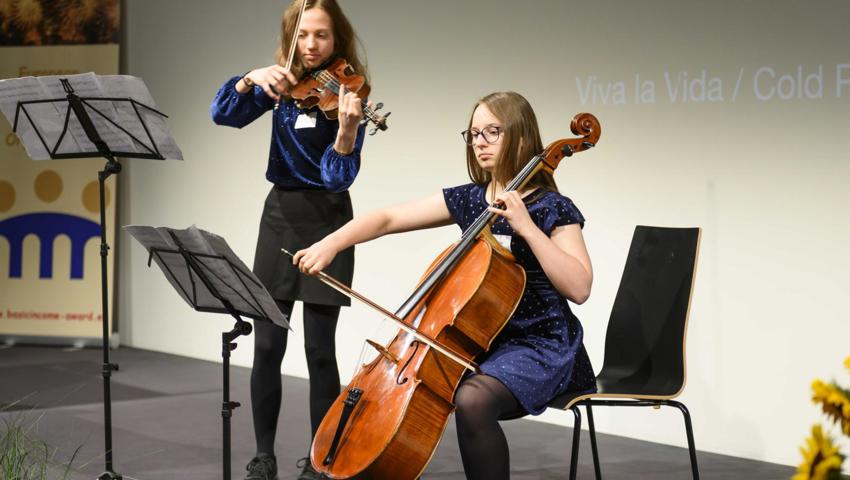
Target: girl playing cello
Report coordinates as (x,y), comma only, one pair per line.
(539,354)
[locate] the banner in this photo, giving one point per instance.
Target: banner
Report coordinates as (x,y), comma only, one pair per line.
(50,277)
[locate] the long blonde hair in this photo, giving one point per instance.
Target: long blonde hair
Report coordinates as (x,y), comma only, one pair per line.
(520,141)
(345,40)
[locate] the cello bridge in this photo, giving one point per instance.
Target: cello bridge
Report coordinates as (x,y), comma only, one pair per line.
(383,351)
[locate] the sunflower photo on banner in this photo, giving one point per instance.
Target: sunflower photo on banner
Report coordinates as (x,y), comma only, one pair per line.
(50,277)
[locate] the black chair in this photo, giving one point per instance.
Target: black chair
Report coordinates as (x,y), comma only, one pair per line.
(644,363)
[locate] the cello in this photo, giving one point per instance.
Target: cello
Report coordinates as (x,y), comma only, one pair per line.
(387,422)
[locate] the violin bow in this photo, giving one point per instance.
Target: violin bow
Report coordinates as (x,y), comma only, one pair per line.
(424,338)
(293,43)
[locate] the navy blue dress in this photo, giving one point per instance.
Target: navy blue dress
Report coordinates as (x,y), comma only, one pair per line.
(539,354)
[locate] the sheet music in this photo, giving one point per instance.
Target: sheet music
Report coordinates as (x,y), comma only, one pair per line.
(84,85)
(49,117)
(242,273)
(218,271)
(123,86)
(159,130)
(135,88)
(240,287)
(50,120)
(150,238)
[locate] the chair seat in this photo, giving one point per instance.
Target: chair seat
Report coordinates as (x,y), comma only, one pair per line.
(631,388)
(566,399)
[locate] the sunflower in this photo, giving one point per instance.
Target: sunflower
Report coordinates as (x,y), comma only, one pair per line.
(821,459)
(847,363)
(835,402)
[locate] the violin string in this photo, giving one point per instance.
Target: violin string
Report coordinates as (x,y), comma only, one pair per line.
(333,83)
(330,81)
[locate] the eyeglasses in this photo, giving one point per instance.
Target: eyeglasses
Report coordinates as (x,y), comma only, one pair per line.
(491,135)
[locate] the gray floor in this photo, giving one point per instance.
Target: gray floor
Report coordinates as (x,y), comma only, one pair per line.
(167,424)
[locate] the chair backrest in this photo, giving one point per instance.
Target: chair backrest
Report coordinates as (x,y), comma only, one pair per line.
(645,342)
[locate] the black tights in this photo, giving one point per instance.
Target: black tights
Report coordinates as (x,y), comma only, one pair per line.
(269,347)
(480,401)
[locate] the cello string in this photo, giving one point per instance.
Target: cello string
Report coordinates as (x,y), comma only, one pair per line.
(421,336)
(486,215)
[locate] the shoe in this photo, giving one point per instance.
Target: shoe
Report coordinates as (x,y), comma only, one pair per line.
(308,472)
(262,467)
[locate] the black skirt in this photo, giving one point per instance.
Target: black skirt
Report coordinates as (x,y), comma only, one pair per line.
(294,220)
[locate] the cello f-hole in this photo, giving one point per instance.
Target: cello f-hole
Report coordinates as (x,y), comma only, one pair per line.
(401,381)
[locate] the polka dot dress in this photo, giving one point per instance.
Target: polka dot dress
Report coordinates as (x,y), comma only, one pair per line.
(540,353)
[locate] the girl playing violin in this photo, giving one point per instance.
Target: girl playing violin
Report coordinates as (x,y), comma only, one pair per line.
(312,162)
(539,354)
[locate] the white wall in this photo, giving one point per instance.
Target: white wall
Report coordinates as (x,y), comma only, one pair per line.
(765,178)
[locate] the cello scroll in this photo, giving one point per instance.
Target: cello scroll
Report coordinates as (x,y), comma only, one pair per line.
(584,124)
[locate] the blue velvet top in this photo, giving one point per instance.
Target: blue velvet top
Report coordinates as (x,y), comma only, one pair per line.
(301,155)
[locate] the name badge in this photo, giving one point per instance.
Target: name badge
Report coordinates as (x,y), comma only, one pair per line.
(306,120)
(504,240)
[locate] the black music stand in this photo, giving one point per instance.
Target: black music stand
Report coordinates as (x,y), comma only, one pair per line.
(96,125)
(211,278)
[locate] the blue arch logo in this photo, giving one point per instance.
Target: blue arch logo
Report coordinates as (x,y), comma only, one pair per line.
(47,226)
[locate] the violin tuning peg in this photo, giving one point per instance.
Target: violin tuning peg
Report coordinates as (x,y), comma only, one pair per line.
(364,121)
(378,106)
(373,131)
(382,125)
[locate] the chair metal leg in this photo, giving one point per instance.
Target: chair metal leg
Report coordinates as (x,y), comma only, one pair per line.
(576,440)
(592,429)
(690,431)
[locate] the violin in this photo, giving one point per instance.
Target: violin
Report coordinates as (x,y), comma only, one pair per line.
(320,88)
(388,421)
